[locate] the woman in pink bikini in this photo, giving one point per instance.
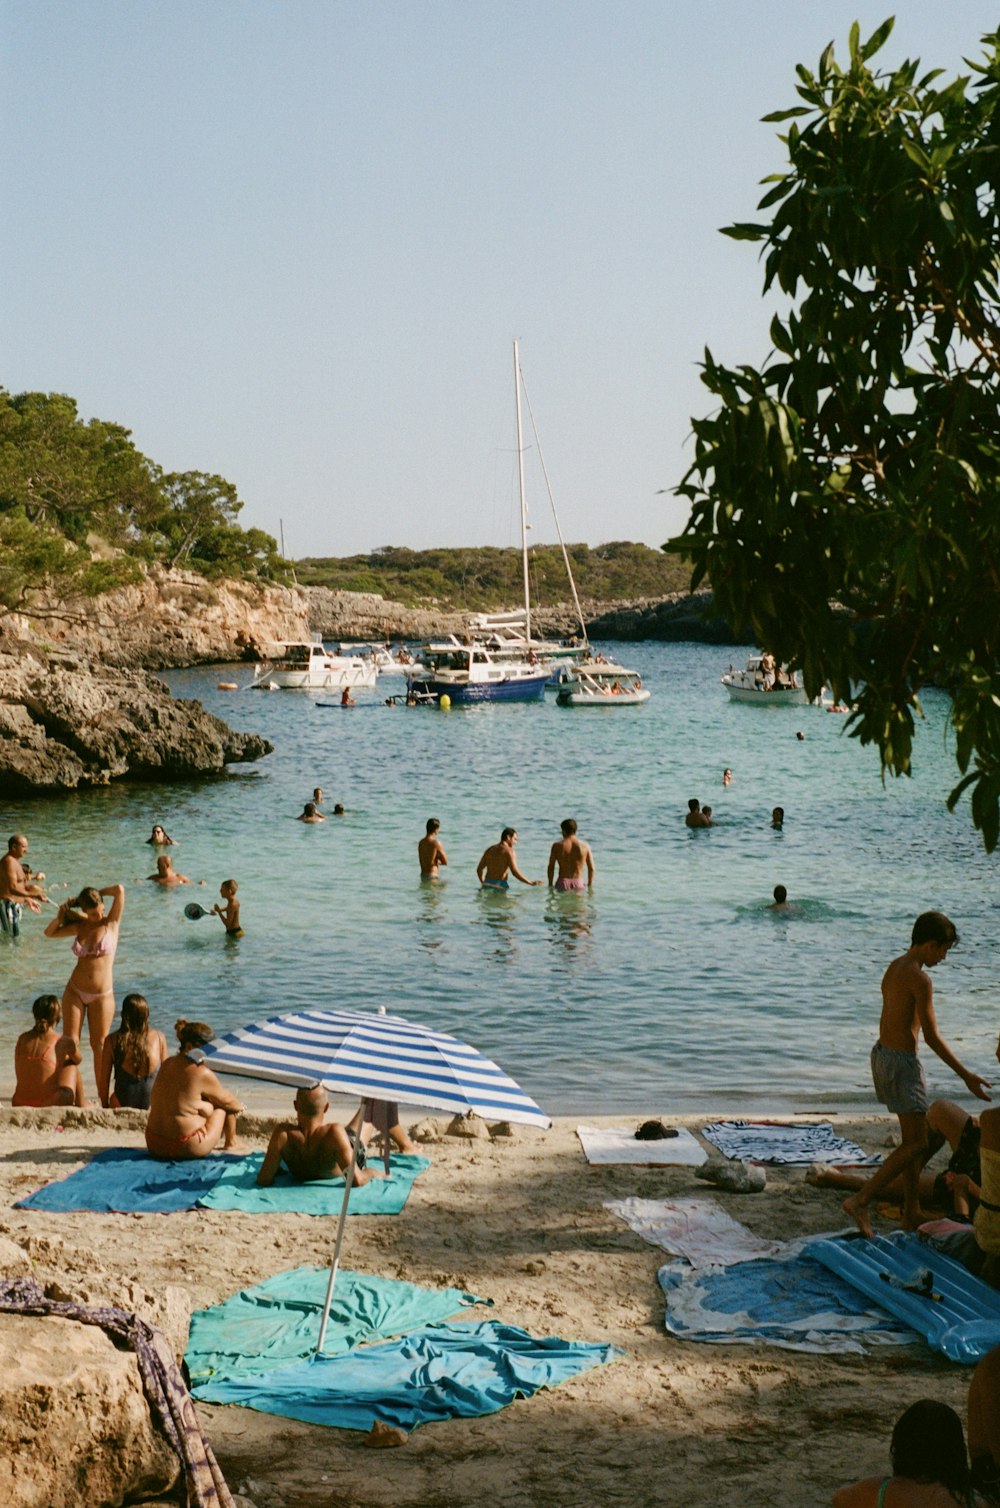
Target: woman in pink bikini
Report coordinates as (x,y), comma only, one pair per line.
(45,1061)
(90,991)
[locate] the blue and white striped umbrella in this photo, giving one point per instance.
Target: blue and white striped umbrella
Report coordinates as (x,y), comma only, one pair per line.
(379,1057)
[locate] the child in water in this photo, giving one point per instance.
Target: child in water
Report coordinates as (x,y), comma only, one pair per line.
(229,915)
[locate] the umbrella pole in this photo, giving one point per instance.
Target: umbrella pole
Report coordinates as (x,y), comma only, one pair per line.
(349,1176)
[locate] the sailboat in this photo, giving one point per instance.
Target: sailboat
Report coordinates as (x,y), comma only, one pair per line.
(492,667)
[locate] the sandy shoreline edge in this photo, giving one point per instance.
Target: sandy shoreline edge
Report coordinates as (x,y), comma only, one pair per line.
(519,1220)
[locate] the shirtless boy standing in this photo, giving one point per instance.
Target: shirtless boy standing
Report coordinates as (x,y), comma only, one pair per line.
(908,1010)
(498,862)
(430,852)
(572,856)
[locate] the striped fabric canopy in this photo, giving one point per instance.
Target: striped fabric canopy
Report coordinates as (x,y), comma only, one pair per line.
(382,1057)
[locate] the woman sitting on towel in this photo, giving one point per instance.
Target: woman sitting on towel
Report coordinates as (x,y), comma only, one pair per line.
(930,1467)
(189,1111)
(134,1052)
(45,1062)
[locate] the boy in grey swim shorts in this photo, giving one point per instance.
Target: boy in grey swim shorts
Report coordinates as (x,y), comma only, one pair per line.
(908,1010)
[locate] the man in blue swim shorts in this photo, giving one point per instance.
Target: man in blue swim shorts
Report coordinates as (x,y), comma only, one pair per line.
(498,862)
(16,891)
(908,1010)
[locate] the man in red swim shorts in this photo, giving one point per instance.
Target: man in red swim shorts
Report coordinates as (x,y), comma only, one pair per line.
(571,856)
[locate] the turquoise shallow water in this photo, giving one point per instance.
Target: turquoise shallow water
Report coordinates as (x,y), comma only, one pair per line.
(668,987)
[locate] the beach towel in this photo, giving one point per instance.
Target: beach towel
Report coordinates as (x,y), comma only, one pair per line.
(236,1189)
(437,1372)
(168,1398)
(277,1322)
(617,1144)
(957,1313)
(791,1145)
(699,1230)
(128,1179)
(788,1300)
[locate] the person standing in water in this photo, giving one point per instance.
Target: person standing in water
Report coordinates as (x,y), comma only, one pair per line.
(230,913)
(498,862)
(571,856)
(908,1010)
(430,852)
(16,890)
(90,993)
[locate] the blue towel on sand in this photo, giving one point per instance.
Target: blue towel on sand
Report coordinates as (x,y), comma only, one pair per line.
(790,1300)
(277,1322)
(439,1372)
(960,1315)
(127,1179)
(236,1190)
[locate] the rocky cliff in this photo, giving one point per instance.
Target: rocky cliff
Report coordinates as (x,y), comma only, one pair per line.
(67,722)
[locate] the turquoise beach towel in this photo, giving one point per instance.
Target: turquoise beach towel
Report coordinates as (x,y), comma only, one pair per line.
(277,1322)
(236,1190)
(439,1372)
(126,1179)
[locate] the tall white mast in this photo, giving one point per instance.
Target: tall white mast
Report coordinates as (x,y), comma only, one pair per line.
(524,505)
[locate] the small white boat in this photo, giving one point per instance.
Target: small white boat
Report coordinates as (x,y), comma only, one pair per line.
(763,682)
(589,683)
(302,666)
(388,661)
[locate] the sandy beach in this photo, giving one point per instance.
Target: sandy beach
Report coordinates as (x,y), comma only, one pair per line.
(521,1221)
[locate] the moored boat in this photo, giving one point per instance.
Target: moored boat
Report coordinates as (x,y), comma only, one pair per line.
(470,673)
(764,683)
(589,683)
(301,666)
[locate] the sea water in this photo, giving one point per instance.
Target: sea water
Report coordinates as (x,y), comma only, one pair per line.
(668,987)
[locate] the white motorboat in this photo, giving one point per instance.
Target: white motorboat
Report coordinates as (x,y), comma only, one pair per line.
(764,683)
(591,683)
(388,661)
(298,665)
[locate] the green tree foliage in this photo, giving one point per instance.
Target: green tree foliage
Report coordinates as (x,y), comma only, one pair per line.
(845,497)
(478,580)
(81,508)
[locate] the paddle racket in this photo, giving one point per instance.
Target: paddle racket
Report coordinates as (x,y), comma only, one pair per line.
(194,912)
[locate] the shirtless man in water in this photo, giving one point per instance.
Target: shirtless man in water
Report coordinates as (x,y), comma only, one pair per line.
(908,1010)
(311,1147)
(189,1111)
(572,856)
(15,889)
(430,852)
(498,862)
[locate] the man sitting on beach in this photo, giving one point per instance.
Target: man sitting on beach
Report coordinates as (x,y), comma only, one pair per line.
(908,1010)
(16,890)
(498,861)
(571,856)
(311,1147)
(189,1111)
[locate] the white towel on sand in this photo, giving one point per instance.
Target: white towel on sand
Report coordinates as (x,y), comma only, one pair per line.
(617,1144)
(698,1229)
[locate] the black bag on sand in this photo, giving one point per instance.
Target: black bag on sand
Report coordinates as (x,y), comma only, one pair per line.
(654,1131)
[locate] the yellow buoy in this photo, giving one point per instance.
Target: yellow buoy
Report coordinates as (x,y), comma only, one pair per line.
(227,686)
(444,701)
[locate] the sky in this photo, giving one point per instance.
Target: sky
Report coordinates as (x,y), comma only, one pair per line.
(291,242)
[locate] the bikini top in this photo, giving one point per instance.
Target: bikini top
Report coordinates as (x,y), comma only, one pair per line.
(105,946)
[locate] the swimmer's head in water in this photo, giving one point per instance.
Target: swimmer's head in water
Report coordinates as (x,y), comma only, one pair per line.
(309,809)
(46,1010)
(694,804)
(193,1033)
(164,864)
(780,894)
(338,810)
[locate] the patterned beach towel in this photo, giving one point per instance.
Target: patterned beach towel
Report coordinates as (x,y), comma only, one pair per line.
(699,1230)
(791,1145)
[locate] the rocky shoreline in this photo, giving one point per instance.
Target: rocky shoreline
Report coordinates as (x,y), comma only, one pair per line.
(79,707)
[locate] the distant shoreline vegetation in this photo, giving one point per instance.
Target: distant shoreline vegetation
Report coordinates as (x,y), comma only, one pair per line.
(481,579)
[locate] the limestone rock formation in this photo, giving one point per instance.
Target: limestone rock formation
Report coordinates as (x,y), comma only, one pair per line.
(75,1428)
(65,723)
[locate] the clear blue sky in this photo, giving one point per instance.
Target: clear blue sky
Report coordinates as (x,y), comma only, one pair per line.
(291,241)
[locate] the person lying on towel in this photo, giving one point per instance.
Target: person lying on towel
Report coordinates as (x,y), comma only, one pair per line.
(311,1147)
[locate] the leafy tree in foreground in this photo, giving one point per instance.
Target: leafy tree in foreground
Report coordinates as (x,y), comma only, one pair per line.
(845,497)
